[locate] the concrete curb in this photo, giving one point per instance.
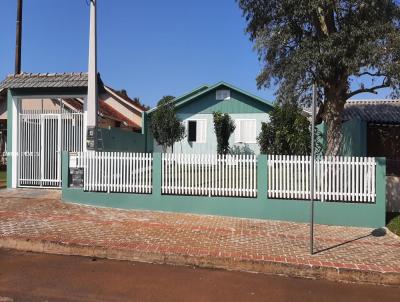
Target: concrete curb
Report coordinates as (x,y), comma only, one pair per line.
(258,266)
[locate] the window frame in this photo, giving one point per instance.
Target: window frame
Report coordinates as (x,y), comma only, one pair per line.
(197,130)
(218,97)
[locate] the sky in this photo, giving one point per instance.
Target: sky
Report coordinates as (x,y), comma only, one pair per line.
(150,48)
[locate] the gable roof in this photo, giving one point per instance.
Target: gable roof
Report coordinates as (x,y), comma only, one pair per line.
(373,111)
(104,110)
(190,96)
(125,99)
(45,80)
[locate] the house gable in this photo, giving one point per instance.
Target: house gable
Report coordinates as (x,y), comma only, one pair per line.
(205,102)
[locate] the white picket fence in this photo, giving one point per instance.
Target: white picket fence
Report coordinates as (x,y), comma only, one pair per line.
(209,175)
(115,171)
(350,179)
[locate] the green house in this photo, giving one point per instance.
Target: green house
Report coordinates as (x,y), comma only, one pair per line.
(195,110)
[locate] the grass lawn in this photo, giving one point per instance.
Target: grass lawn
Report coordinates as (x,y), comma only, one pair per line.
(3,175)
(393,222)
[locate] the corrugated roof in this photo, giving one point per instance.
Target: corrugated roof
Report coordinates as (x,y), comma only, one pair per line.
(45,80)
(373,111)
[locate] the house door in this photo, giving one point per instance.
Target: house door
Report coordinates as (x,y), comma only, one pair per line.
(41,139)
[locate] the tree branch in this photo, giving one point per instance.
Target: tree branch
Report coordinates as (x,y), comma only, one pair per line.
(385,84)
(376,74)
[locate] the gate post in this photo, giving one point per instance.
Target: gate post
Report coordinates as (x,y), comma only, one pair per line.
(12,140)
(157,174)
(380,181)
(262,177)
(64,170)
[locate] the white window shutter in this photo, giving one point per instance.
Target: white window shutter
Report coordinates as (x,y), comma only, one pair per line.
(201,131)
(245,131)
(237,131)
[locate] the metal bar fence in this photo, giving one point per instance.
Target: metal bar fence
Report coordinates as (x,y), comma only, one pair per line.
(115,171)
(42,136)
(350,179)
(209,175)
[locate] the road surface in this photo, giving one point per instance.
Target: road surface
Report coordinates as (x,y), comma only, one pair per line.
(40,277)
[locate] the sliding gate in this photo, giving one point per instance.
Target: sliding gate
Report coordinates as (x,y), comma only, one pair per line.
(42,138)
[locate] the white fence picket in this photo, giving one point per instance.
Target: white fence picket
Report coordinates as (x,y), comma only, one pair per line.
(350,179)
(116,171)
(209,175)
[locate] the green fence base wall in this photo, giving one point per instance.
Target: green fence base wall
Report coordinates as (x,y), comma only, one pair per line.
(329,213)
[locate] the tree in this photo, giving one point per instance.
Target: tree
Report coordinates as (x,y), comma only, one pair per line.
(345,47)
(223,127)
(288,132)
(165,126)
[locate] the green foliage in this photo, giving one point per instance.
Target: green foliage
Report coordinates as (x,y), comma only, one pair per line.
(346,47)
(165,126)
(394,224)
(223,127)
(288,132)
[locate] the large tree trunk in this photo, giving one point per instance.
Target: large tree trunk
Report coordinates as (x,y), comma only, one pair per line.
(335,99)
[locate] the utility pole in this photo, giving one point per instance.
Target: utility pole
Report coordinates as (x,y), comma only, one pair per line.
(314,96)
(18,38)
(91,101)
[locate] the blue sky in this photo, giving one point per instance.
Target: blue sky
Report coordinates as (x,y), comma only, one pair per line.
(151,48)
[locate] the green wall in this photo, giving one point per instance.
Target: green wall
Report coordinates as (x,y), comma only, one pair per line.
(262,207)
(354,137)
(116,139)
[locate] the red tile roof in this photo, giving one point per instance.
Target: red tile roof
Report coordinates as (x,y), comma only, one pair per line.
(109,111)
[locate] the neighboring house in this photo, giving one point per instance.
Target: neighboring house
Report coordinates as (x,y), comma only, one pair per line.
(46,115)
(116,108)
(195,110)
(372,128)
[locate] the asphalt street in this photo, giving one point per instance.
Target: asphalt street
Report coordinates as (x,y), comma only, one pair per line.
(43,277)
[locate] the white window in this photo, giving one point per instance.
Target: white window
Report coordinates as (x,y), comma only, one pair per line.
(245,131)
(223,95)
(197,130)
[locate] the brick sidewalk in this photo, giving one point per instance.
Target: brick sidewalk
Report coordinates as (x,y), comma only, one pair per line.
(344,253)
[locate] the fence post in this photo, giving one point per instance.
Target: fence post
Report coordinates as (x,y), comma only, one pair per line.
(157,174)
(262,177)
(64,170)
(381,190)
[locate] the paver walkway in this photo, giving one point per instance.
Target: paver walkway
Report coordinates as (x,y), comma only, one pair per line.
(198,239)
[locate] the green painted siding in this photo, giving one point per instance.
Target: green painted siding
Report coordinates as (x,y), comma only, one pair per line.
(116,139)
(238,103)
(210,146)
(354,138)
(330,213)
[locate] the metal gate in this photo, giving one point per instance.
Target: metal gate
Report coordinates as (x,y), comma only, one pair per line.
(42,138)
